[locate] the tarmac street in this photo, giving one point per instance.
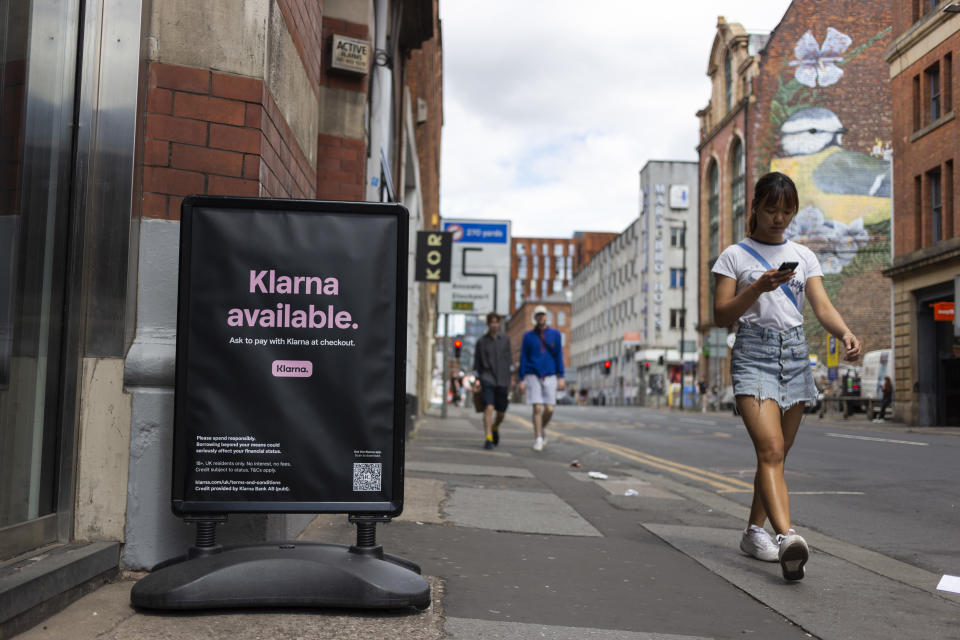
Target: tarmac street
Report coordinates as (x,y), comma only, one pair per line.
(524,544)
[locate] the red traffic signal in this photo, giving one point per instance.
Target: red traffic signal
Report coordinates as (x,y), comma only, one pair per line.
(606,367)
(646,365)
(456,348)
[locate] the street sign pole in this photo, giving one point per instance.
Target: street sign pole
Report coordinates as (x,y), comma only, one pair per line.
(446,366)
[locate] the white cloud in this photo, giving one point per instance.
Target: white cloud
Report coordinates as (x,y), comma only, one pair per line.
(551,107)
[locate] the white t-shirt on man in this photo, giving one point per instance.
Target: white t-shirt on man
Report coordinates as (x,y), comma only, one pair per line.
(773,309)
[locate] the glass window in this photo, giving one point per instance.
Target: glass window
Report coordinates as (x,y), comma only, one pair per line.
(37,116)
(677,238)
(728,79)
(933,91)
(561,318)
(521,249)
(738,197)
(521,266)
(558,249)
(713,205)
(546,249)
(936,206)
(676,318)
(676,278)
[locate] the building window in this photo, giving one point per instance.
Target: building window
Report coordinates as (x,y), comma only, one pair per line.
(936,205)
(676,319)
(917,117)
(521,266)
(561,318)
(521,249)
(557,285)
(558,249)
(544,284)
(738,197)
(676,278)
(546,249)
(535,273)
(558,266)
(677,238)
(947,83)
(728,79)
(932,78)
(713,202)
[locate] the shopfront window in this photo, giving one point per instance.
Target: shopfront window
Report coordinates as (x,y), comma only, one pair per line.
(36,143)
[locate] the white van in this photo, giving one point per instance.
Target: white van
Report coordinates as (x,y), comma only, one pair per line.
(876,366)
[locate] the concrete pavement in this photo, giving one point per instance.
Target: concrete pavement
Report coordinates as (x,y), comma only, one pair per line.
(520,544)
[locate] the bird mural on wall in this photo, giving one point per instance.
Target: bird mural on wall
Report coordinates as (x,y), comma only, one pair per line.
(843,184)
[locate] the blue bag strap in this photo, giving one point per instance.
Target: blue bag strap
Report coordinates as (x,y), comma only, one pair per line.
(766,264)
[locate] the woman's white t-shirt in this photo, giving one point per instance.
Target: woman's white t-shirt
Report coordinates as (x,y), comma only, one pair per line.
(772,310)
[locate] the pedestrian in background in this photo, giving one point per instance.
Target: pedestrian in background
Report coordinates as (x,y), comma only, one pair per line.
(541,372)
(886,400)
(491,362)
(770,363)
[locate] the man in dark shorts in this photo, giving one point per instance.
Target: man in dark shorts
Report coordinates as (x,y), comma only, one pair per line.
(491,362)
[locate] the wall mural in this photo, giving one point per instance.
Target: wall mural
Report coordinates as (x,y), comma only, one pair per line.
(845,193)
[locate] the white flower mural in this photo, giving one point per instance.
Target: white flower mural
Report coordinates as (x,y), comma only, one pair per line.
(816,65)
(835,243)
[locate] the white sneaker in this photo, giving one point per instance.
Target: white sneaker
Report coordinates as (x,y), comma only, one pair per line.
(793,554)
(538,444)
(757,543)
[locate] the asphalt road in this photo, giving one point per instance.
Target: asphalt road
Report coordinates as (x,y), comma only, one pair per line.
(881,488)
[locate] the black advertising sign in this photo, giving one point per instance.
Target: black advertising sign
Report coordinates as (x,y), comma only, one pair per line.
(291,351)
(434,251)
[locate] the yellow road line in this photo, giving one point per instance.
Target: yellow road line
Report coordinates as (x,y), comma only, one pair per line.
(722,484)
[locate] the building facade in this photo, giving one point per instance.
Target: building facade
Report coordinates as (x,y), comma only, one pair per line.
(631,303)
(113,112)
(541,267)
(724,171)
(822,115)
(926,216)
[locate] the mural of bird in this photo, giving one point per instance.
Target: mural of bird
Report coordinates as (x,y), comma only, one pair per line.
(843,184)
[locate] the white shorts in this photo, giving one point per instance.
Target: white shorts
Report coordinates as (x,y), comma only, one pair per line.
(541,390)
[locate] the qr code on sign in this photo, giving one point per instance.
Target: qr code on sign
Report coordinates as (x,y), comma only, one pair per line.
(367,476)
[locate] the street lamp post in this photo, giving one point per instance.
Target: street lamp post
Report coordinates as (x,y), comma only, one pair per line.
(683,307)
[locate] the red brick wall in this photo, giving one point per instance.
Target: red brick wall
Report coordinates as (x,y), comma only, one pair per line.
(916,153)
(218,134)
(341,160)
(861,99)
(304,20)
(424,75)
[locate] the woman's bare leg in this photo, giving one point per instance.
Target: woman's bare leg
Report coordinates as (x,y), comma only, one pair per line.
(772,434)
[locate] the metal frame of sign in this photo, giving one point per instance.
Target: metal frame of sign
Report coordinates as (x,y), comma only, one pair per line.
(393,505)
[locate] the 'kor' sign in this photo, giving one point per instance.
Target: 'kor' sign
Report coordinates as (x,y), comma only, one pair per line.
(433,256)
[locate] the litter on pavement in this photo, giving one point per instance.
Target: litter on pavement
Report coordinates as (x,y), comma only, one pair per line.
(597,475)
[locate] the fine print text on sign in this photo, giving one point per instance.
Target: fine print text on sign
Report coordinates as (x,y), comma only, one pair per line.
(290,357)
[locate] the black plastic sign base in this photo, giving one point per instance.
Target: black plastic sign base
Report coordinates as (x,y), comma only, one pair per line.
(286,575)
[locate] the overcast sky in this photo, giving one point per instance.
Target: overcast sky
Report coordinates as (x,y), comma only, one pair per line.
(552,107)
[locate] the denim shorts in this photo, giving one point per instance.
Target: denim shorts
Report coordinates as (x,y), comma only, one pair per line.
(774,364)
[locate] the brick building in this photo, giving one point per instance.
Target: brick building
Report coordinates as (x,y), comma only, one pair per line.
(130,107)
(540,267)
(926,215)
(822,115)
(724,171)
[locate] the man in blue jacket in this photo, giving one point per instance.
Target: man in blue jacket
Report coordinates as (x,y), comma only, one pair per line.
(541,371)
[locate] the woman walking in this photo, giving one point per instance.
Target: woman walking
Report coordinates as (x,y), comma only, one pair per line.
(762,282)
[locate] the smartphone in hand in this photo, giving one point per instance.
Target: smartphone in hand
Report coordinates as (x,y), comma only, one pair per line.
(789,266)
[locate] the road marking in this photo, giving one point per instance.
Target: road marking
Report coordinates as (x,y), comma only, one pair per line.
(846,435)
(722,484)
(827,493)
(698,421)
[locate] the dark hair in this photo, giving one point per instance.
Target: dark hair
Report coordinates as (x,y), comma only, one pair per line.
(493,315)
(773,189)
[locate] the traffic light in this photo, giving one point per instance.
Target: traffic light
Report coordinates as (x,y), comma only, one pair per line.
(660,360)
(646,365)
(456,348)
(606,367)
